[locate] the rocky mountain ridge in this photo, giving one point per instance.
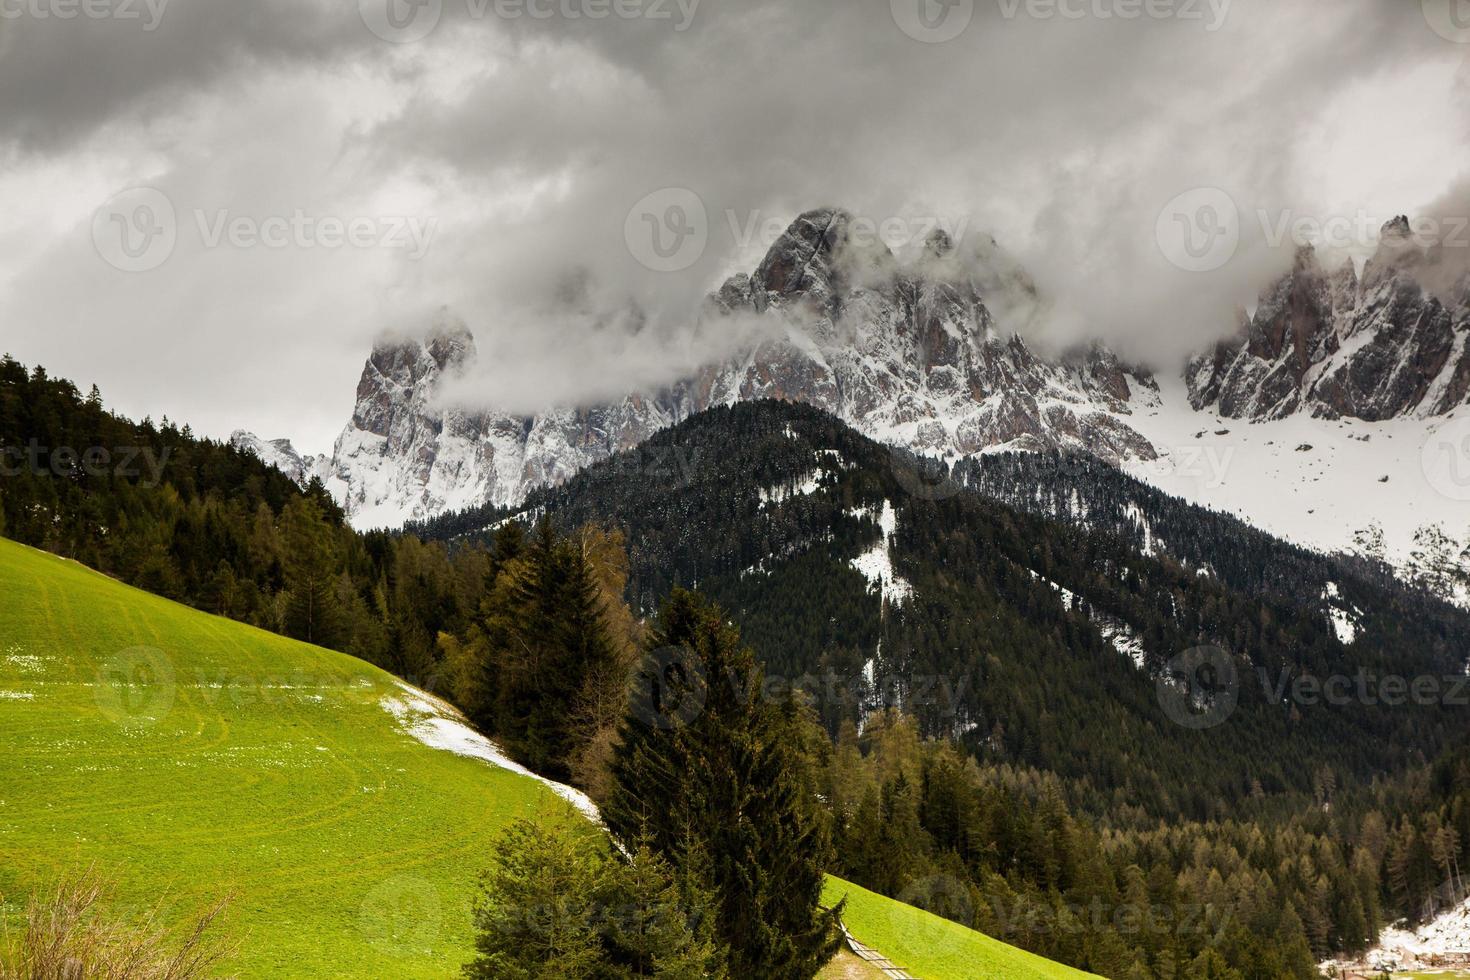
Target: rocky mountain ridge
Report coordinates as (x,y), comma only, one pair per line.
(1339,346)
(910,354)
(923,354)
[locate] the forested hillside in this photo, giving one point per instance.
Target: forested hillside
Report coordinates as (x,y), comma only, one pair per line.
(1035,754)
(1083,491)
(197,521)
(1001,727)
(1035,637)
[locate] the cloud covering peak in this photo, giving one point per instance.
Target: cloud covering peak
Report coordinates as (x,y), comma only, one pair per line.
(577,159)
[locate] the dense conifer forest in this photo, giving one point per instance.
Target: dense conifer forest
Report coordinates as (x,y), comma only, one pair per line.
(977,745)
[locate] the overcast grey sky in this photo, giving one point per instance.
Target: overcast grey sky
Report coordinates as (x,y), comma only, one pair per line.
(318,171)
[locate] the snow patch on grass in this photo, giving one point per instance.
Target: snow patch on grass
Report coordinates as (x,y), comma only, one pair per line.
(16,657)
(439,725)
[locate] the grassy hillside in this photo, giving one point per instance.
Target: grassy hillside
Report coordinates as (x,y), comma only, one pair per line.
(934,948)
(190,755)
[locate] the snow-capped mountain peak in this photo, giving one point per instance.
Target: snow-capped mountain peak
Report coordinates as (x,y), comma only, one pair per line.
(910,353)
(283,456)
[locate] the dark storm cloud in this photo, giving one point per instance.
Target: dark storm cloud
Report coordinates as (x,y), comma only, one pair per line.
(1065,136)
(529,135)
(65,71)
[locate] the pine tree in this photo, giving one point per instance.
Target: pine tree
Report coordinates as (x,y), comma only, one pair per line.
(547,648)
(311,568)
(729,781)
(538,913)
(662,921)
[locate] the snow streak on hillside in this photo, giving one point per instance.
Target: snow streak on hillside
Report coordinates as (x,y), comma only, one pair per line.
(440,726)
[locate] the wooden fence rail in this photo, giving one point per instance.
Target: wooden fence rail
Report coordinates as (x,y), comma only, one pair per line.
(876,959)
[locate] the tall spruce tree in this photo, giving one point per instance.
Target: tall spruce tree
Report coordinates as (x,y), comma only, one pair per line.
(707,762)
(542,650)
(312,566)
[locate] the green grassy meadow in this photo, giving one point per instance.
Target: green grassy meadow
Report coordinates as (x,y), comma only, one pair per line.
(187,757)
(935,948)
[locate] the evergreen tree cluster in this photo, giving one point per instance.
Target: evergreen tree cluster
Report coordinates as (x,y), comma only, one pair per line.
(1003,625)
(1085,492)
(559,903)
(997,848)
(221,531)
(724,844)
(729,783)
(544,661)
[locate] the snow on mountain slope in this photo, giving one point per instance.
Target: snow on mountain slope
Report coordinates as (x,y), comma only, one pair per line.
(1314,481)
(909,354)
(1442,941)
(912,354)
(283,456)
(876,564)
(1311,425)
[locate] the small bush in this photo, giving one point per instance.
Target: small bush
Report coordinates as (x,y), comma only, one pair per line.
(69,936)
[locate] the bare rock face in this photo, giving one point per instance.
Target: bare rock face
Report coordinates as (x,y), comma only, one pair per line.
(910,355)
(1336,347)
(913,356)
